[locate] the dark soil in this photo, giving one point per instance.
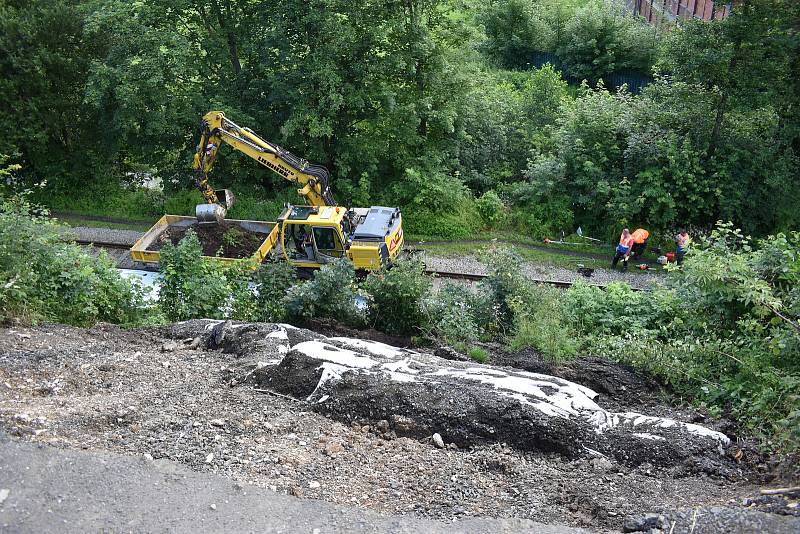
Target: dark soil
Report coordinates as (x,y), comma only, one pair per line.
(333,328)
(240,243)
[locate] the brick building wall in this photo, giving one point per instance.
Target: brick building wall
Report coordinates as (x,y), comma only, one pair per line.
(667,11)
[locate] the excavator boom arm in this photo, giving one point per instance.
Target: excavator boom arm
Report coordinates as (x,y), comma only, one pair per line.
(217,129)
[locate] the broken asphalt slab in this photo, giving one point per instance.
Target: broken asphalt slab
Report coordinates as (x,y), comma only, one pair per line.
(420,394)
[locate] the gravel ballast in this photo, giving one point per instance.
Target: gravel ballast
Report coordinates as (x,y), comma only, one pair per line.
(106,235)
(541,271)
(461,264)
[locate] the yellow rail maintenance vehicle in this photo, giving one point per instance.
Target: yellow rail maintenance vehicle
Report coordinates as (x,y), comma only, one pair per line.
(312,236)
(309,235)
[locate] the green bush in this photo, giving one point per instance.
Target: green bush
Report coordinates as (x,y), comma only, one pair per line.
(478,354)
(539,212)
(491,209)
(450,314)
(618,308)
(194,288)
(457,221)
(330,294)
(44,278)
(504,288)
(109,199)
(724,330)
(540,323)
(396,297)
(273,280)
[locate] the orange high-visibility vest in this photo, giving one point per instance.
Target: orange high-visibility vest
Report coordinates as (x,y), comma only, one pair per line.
(682,242)
(640,236)
(625,243)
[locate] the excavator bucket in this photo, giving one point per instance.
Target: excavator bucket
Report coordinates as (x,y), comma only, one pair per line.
(215,213)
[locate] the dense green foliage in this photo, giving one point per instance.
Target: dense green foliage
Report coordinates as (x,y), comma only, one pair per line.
(397,295)
(272,281)
(725,329)
(44,278)
(427,105)
(591,38)
(331,294)
(193,288)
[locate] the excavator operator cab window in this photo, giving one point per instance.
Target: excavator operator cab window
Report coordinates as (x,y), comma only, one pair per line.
(328,242)
(299,242)
(301,213)
(346,227)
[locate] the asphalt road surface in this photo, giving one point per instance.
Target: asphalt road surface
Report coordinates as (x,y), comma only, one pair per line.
(44,489)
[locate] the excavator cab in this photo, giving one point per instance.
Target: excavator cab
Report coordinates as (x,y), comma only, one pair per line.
(312,236)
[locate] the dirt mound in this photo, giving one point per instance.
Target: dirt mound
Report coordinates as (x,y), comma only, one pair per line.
(422,394)
(232,240)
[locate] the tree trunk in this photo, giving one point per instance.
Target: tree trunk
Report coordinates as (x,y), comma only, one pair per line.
(419,73)
(233,47)
(726,88)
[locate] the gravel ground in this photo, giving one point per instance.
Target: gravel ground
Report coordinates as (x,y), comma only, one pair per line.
(133,392)
(106,235)
(469,264)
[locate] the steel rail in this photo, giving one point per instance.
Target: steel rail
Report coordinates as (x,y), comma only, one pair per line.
(563,284)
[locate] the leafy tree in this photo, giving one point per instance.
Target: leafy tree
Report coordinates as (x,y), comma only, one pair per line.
(503,118)
(746,62)
(591,143)
(601,39)
(44,62)
(515,31)
(141,85)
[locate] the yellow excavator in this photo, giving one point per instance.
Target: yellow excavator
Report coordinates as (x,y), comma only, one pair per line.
(312,234)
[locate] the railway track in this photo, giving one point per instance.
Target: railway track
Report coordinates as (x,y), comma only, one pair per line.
(100,244)
(478,277)
(120,252)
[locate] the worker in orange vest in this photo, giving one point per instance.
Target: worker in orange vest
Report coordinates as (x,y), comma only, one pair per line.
(623,250)
(640,237)
(682,241)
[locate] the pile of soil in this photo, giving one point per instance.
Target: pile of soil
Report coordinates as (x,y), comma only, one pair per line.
(333,328)
(232,240)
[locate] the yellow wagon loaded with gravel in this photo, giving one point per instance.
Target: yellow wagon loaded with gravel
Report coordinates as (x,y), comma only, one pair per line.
(308,236)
